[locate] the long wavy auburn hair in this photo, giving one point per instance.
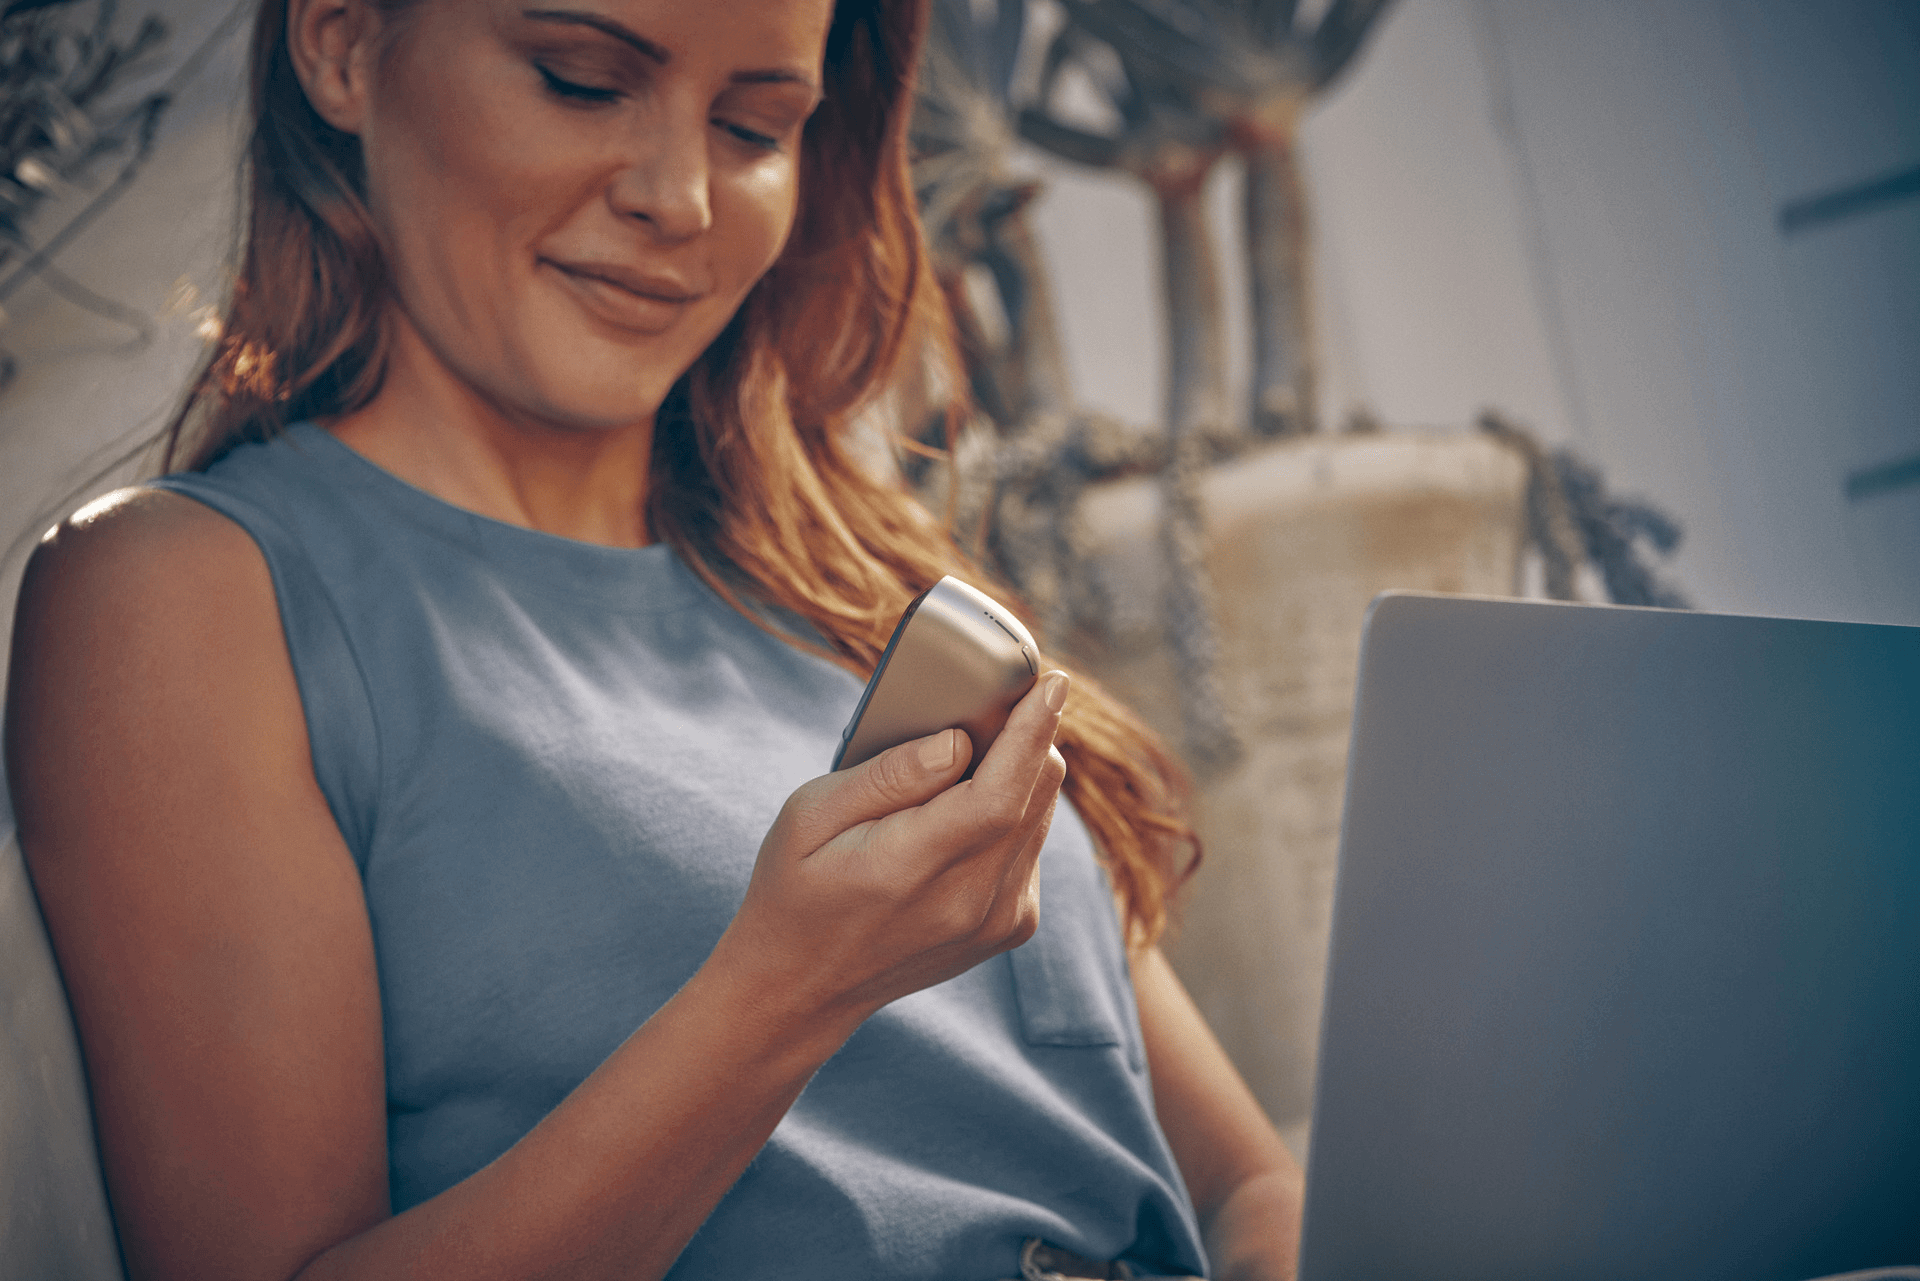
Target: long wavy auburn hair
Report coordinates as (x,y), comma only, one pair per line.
(755,483)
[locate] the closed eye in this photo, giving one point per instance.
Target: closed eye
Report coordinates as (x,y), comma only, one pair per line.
(753,138)
(574,91)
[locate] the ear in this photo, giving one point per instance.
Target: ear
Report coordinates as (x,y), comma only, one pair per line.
(331,45)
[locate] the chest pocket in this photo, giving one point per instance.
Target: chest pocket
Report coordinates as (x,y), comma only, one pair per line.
(1070,978)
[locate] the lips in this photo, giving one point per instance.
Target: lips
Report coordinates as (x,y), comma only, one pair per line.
(641,302)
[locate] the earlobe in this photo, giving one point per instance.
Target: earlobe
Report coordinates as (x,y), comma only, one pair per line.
(328,42)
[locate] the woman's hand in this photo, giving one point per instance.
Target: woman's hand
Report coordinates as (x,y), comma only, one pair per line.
(890,877)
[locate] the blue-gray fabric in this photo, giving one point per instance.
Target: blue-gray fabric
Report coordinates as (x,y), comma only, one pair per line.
(554,762)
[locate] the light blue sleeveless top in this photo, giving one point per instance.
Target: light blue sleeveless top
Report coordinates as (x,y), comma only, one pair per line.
(554,763)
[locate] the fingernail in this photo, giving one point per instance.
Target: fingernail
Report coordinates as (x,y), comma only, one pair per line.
(1054,691)
(937,752)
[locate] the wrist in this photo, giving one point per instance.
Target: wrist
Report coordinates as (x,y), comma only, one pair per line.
(783,1017)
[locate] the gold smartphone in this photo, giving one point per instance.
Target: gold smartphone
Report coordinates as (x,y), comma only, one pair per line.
(957,658)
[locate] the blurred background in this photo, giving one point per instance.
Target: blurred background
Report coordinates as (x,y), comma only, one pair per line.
(1268,306)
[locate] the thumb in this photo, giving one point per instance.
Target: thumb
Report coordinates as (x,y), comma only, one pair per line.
(897,779)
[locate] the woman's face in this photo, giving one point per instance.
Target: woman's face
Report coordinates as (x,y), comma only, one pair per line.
(575,195)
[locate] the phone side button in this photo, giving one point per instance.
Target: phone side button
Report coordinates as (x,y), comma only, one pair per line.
(1033,664)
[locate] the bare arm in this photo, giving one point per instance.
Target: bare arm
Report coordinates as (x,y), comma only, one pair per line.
(213,937)
(1246,1186)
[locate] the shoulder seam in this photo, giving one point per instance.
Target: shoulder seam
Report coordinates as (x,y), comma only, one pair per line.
(210,498)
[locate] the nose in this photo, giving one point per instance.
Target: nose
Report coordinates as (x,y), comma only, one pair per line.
(666,182)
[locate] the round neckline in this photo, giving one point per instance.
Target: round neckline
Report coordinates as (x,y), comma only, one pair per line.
(571,565)
(310,431)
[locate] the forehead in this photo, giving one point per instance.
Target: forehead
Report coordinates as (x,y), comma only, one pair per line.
(743,34)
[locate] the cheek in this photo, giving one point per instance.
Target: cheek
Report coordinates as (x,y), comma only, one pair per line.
(459,172)
(753,215)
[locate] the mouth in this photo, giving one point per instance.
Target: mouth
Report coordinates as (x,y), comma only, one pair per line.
(641,302)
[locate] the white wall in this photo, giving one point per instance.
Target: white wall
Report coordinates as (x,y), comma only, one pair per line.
(1569,212)
(1740,372)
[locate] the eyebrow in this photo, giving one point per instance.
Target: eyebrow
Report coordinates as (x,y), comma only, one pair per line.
(656,53)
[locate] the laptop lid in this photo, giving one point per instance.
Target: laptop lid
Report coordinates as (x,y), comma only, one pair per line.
(1625,971)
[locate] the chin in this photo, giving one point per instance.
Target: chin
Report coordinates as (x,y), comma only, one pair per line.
(608,414)
(616,392)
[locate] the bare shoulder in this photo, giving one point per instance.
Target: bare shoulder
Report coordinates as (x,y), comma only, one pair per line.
(134,548)
(124,608)
(147,638)
(207,915)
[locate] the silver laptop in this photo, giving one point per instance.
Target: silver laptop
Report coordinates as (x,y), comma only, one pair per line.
(1625,973)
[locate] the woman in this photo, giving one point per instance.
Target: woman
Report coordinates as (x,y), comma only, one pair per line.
(393,782)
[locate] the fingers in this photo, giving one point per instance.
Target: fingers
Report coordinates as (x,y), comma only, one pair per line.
(1007,817)
(915,773)
(1022,769)
(897,779)
(1019,892)
(905,799)
(904,872)
(1036,823)
(1012,766)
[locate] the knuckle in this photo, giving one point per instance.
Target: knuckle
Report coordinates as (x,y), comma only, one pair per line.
(802,800)
(1026,923)
(1011,923)
(890,773)
(803,814)
(960,919)
(1000,813)
(792,814)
